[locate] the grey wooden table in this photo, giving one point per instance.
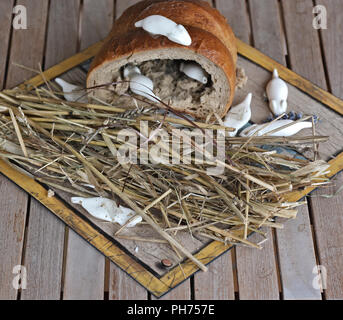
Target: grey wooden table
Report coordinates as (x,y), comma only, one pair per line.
(60,265)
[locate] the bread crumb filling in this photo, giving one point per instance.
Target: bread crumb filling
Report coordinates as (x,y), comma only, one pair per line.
(170,84)
(174,87)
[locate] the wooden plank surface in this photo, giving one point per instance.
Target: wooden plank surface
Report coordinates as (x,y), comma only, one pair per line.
(43,254)
(267,30)
(328,226)
(257,273)
(85,270)
(10,243)
(327,229)
(63,31)
(332,44)
(96,21)
(237,16)
(218,282)
(12,224)
(27,46)
(5,27)
(297,258)
(303,41)
(123,287)
(121,6)
(27,49)
(327,212)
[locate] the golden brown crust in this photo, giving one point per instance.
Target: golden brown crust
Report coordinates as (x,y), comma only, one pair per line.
(211,35)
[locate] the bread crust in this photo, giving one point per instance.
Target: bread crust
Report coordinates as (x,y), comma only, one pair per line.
(211,36)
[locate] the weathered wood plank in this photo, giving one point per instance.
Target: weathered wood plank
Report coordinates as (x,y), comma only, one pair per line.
(123,287)
(10,244)
(27,49)
(326,212)
(297,258)
(257,275)
(266,29)
(5,28)
(27,46)
(328,226)
(43,254)
(295,261)
(333,44)
(218,282)
(237,15)
(121,6)
(63,30)
(308,61)
(97,20)
(303,41)
(85,270)
(12,224)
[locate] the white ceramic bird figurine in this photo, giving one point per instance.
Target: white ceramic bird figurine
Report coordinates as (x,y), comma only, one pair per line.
(140,84)
(238,116)
(160,25)
(263,129)
(107,210)
(71,92)
(277,92)
(194,71)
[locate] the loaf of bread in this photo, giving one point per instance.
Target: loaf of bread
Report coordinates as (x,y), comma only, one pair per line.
(213,47)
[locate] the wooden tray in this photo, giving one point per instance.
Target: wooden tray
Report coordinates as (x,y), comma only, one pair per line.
(143,266)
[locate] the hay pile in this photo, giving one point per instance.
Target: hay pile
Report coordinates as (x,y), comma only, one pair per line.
(73,146)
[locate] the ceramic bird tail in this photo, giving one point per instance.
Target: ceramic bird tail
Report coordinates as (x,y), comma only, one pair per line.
(71,92)
(239,115)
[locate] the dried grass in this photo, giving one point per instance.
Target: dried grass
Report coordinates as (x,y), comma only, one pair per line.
(71,146)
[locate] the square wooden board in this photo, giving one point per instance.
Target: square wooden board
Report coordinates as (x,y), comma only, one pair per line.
(144,265)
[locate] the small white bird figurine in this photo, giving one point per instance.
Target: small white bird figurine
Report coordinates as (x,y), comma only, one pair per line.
(238,116)
(71,92)
(140,84)
(263,129)
(160,25)
(194,71)
(107,210)
(277,92)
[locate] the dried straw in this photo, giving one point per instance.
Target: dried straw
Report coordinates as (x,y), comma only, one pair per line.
(72,146)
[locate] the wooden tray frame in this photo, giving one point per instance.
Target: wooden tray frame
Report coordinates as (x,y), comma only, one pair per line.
(157,285)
